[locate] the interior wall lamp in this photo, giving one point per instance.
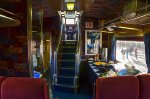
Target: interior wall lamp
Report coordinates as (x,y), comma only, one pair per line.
(128,28)
(3,16)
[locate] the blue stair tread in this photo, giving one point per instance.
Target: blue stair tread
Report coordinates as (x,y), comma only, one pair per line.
(66,76)
(68,68)
(68,53)
(67,60)
(69,42)
(66,85)
(69,47)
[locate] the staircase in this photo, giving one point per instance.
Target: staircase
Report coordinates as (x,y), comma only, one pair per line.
(66,68)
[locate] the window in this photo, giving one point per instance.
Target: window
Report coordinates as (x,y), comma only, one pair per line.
(131,53)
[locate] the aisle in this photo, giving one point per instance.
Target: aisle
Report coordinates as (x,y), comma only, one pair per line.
(62,95)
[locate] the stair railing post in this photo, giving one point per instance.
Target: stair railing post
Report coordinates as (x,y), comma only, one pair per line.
(77,55)
(75,78)
(77,62)
(55,68)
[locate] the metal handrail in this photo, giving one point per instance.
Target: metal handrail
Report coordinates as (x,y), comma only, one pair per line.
(77,56)
(78,40)
(77,49)
(55,68)
(60,37)
(55,56)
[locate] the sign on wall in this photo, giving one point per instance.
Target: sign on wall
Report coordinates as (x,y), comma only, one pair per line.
(89,25)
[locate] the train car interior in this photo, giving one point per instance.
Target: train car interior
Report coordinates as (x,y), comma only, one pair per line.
(74,49)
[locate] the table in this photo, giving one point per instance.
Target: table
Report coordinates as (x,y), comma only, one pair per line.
(88,74)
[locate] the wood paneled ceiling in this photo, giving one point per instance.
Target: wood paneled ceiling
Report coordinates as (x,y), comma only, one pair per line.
(104,9)
(101,9)
(50,7)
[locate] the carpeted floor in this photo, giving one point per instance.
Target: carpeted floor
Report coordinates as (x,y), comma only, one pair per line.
(62,95)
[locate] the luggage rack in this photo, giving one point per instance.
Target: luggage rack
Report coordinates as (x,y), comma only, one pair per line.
(140,16)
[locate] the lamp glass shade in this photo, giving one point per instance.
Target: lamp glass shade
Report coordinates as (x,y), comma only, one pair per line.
(70,6)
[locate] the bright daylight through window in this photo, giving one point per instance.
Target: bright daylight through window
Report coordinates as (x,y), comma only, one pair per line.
(131,53)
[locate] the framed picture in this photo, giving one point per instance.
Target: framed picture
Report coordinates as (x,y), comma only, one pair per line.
(92,42)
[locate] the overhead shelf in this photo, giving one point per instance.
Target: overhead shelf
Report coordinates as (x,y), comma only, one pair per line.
(138,17)
(141,19)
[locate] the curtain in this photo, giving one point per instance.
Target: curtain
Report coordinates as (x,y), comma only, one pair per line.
(147,49)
